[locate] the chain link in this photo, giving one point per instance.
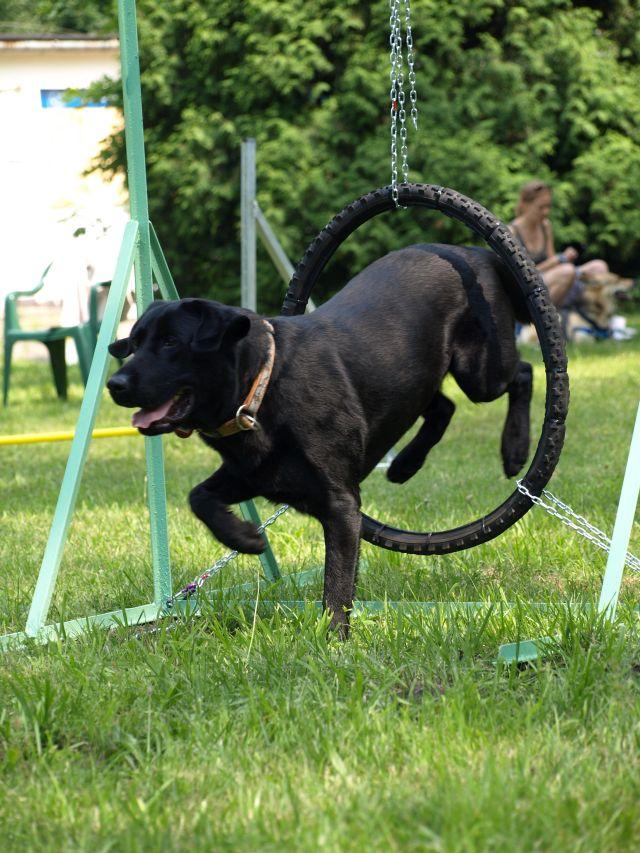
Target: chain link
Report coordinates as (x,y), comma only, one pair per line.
(413,97)
(564,513)
(193,587)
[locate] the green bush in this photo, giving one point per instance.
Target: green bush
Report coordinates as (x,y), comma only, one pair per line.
(507,90)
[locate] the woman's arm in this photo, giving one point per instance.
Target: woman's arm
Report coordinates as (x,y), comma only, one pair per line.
(555,258)
(547,227)
(552,259)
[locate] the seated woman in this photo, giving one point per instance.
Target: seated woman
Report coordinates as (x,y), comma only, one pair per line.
(532,229)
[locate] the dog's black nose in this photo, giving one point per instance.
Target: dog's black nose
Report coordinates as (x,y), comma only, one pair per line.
(118,385)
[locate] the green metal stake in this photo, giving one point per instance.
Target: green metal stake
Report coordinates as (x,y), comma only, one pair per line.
(80,445)
(622,528)
(136,170)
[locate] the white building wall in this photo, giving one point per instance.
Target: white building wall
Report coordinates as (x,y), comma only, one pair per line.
(44,195)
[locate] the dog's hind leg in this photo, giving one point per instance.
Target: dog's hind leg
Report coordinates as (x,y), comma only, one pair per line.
(210,503)
(341,523)
(486,367)
(515,434)
(411,458)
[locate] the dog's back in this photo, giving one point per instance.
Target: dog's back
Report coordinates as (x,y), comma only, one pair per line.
(447,282)
(410,317)
(482,271)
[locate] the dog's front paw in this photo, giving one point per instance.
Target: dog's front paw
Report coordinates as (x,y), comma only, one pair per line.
(400,471)
(247,539)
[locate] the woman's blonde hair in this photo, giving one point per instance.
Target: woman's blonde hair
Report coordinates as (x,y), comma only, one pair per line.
(529,192)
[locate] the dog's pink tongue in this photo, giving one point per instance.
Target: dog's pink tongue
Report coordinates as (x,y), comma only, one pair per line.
(145,417)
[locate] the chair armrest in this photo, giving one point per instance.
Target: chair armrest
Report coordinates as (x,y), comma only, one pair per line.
(11,320)
(16,294)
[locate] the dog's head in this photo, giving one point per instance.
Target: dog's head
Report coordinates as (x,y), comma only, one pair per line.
(183,365)
(601,295)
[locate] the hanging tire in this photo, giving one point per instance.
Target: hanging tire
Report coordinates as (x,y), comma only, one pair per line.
(543,316)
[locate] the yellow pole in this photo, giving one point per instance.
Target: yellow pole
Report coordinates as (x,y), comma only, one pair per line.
(38,437)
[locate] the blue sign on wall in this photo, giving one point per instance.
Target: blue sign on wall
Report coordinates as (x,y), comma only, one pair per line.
(55,98)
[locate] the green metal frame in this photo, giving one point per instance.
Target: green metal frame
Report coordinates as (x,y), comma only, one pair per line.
(141,251)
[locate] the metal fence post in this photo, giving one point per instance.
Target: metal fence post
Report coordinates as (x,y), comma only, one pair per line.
(248,299)
(248,290)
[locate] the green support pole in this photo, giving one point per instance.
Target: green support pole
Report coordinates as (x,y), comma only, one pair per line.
(80,445)
(169,291)
(136,170)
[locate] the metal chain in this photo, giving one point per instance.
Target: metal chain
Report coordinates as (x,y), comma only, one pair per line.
(564,513)
(413,97)
(394,39)
(397,94)
(193,587)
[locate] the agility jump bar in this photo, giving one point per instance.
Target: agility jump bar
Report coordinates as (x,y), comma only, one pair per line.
(41,437)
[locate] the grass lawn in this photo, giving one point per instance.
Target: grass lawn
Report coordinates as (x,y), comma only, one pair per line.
(243,733)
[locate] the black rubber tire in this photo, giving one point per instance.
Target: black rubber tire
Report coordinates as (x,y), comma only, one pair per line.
(543,315)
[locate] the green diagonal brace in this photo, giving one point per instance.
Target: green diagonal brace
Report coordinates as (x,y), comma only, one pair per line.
(622,527)
(160,268)
(80,445)
(268,558)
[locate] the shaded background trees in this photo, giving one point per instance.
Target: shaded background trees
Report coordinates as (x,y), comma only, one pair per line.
(507,91)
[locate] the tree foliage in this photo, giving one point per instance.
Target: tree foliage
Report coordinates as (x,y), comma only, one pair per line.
(507,90)
(58,16)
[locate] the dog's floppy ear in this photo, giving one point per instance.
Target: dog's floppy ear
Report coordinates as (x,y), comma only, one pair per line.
(220,327)
(121,348)
(235,329)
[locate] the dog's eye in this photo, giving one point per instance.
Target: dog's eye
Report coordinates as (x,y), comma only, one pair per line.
(171,341)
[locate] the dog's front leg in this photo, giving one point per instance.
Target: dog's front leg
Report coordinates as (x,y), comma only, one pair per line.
(210,503)
(341,523)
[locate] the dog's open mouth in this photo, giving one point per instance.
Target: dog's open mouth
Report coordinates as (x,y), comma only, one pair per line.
(167,417)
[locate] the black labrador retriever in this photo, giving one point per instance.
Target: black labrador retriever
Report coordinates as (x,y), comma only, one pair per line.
(347,382)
